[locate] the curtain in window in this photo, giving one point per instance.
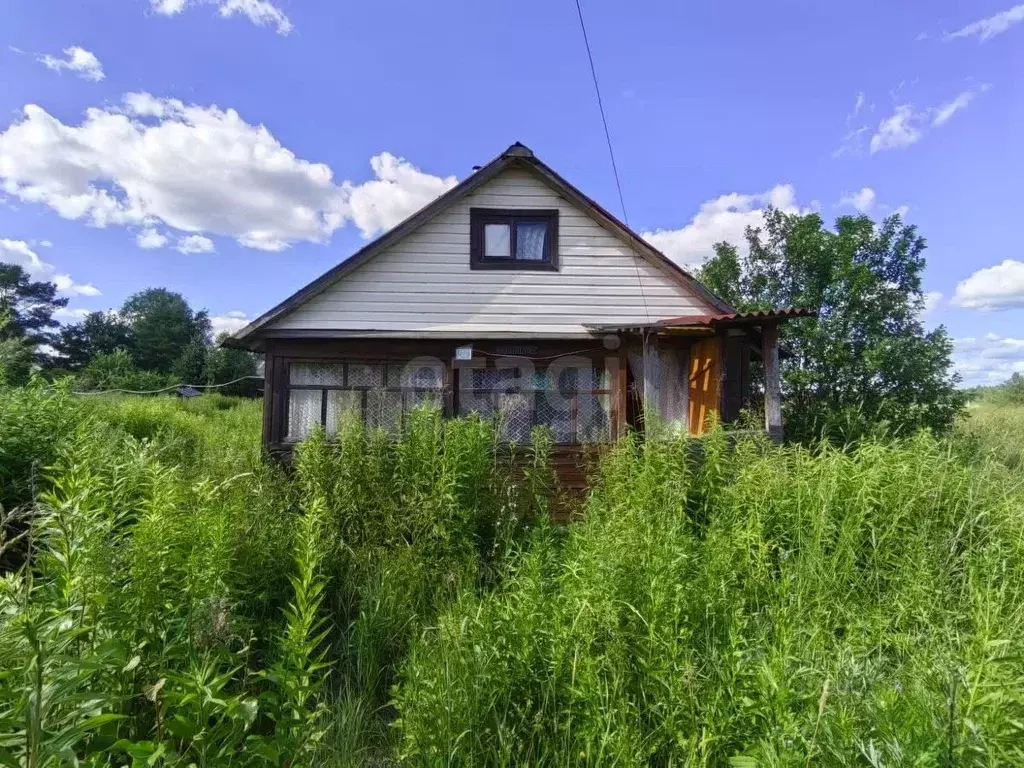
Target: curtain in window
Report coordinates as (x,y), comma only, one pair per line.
(673,385)
(530,240)
(303,413)
(328,394)
(341,405)
(497,241)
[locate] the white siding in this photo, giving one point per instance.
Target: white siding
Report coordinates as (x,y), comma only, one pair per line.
(423,283)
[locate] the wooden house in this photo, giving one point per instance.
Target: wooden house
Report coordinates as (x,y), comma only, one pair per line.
(516,296)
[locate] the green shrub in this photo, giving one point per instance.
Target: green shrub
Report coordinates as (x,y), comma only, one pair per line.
(35,422)
(773,606)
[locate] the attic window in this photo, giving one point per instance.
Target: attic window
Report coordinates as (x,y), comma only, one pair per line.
(513,239)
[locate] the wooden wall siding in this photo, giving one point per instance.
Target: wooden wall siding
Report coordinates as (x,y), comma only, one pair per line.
(424,283)
(705,382)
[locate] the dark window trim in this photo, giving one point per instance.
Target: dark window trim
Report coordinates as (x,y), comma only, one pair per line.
(345,362)
(478,217)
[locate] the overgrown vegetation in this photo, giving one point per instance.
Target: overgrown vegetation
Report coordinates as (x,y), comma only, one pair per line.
(867,365)
(178,600)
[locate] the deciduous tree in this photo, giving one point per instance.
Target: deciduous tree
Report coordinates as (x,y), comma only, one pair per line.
(29,305)
(867,360)
(162,325)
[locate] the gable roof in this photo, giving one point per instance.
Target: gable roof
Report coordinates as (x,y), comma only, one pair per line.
(516,156)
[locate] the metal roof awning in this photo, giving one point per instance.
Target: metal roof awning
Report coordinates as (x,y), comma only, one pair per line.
(709,322)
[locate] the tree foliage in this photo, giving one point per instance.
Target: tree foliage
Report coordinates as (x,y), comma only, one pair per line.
(16,355)
(162,326)
(100,333)
(867,361)
(28,305)
(154,340)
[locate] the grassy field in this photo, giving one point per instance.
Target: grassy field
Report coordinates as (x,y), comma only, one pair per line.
(173,599)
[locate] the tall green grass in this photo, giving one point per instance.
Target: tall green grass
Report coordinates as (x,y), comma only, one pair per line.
(180,600)
(996,430)
(756,606)
(183,601)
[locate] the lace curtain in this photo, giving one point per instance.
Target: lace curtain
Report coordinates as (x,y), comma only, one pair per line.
(530,241)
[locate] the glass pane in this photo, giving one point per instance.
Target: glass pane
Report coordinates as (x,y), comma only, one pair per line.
(530,237)
(582,379)
(497,241)
(342,404)
(319,374)
(553,411)
(363,375)
(418,375)
(593,419)
(303,412)
(418,399)
(477,402)
(515,417)
(384,410)
(493,378)
(542,380)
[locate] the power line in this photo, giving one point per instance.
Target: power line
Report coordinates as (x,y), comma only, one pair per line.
(604,119)
(164,389)
(611,155)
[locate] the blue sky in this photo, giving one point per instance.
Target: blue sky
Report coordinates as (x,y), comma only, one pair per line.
(233,150)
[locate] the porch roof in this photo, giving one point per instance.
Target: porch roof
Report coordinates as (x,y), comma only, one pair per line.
(707,322)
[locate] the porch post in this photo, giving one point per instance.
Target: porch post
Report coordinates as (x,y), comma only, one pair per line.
(684,371)
(772,384)
(651,362)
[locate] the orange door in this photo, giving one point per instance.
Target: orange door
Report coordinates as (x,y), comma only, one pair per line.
(705,375)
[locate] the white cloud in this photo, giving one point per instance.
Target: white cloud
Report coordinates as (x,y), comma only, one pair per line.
(857,106)
(78,60)
(987,360)
(259,12)
(724,218)
(852,142)
(198,170)
(944,112)
(68,286)
(932,299)
(19,252)
(229,322)
(898,130)
(150,238)
(989,27)
(998,287)
(862,201)
(70,315)
(398,191)
(907,124)
(194,244)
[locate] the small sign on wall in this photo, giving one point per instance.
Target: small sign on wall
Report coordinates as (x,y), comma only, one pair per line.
(464,353)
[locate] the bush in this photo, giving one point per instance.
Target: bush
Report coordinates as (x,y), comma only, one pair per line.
(116,370)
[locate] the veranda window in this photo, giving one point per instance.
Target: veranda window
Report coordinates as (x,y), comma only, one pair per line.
(379,393)
(574,403)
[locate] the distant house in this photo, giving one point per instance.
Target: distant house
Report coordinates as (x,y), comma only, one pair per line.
(516,296)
